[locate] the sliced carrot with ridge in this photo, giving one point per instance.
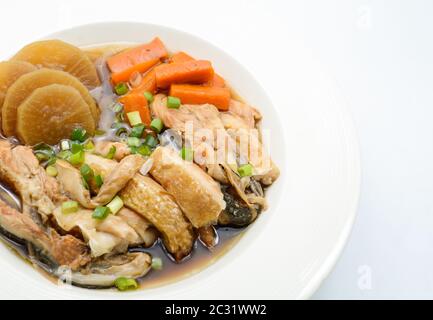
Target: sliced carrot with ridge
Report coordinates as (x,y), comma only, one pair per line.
(124,76)
(136,102)
(194,71)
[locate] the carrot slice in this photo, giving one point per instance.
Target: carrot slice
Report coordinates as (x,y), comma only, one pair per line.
(193,94)
(217,80)
(136,102)
(123,76)
(195,71)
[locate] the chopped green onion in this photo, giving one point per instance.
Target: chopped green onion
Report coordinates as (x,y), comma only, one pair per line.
(76,147)
(42,155)
(137,131)
(79,134)
(85,184)
(69,207)
(148,96)
(144,150)
(173,102)
(77,158)
(98,181)
(111,152)
(65,145)
(117,107)
(89,146)
(134,118)
(100,213)
(156,125)
(65,154)
(99,132)
(246,170)
(51,161)
(124,284)
(121,89)
(86,172)
(115,205)
(151,141)
(156,263)
(187,154)
(121,131)
(133,142)
(51,171)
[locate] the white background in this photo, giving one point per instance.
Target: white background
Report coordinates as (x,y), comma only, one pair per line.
(381,55)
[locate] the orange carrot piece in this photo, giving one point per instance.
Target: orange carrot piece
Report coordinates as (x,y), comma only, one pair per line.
(129,58)
(123,76)
(193,94)
(148,83)
(195,71)
(136,102)
(217,80)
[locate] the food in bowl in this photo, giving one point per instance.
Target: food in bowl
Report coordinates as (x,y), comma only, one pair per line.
(122,165)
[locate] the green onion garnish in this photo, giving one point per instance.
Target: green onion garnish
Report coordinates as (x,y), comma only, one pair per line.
(98,181)
(117,107)
(99,132)
(187,154)
(69,207)
(144,150)
(124,284)
(115,205)
(134,118)
(121,89)
(133,141)
(156,125)
(245,170)
(151,141)
(111,152)
(100,213)
(51,161)
(156,263)
(51,171)
(86,172)
(79,134)
(148,96)
(137,131)
(173,102)
(76,147)
(65,145)
(65,155)
(77,158)
(89,146)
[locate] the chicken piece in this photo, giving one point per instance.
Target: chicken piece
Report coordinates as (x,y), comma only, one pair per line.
(20,169)
(149,199)
(71,180)
(245,112)
(197,193)
(208,236)
(142,226)
(103,148)
(63,250)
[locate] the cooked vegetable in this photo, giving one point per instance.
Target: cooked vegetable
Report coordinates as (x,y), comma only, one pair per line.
(51,171)
(156,125)
(115,205)
(65,145)
(216,81)
(136,103)
(125,75)
(151,141)
(27,84)
(124,284)
(100,213)
(69,207)
(79,134)
(59,55)
(148,83)
(111,152)
(77,158)
(245,170)
(133,142)
(76,147)
(98,180)
(199,71)
(121,89)
(193,94)
(137,131)
(148,96)
(173,102)
(87,172)
(156,263)
(51,113)
(131,59)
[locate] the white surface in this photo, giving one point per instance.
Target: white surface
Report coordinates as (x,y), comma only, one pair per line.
(313,203)
(380,53)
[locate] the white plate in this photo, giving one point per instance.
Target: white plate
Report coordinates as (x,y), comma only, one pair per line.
(293,246)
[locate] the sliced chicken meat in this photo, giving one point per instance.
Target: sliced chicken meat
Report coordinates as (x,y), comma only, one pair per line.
(104,147)
(62,250)
(197,193)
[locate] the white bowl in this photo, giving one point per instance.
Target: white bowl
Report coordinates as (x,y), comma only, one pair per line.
(295,243)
